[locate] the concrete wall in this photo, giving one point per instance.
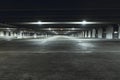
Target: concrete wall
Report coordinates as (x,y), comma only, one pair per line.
(19,35)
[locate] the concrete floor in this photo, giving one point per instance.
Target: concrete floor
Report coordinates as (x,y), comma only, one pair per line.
(60,58)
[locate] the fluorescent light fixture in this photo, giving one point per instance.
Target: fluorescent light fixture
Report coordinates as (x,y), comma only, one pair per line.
(84,22)
(39,22)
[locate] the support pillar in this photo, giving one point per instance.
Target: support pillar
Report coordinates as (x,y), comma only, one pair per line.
(15,34)
(119,31)
(23,34)
(109,32)
(89,33)
(100,32)
(93,33)
(1,33)
(7,34)
(86,34)
(20,34)
(81,34)
(35,35)
(11,34)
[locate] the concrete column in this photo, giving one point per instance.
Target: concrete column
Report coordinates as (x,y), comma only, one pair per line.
(1,33)
(100,31)
(23,34)
(20,34)
(89,33)
(93,33)
(86,34)
(79,34)
(7,33)
(109,32)
(11,34)
(27,34)
(35,35)
(46,35)
(119,31)
(83,34)
(15,34)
